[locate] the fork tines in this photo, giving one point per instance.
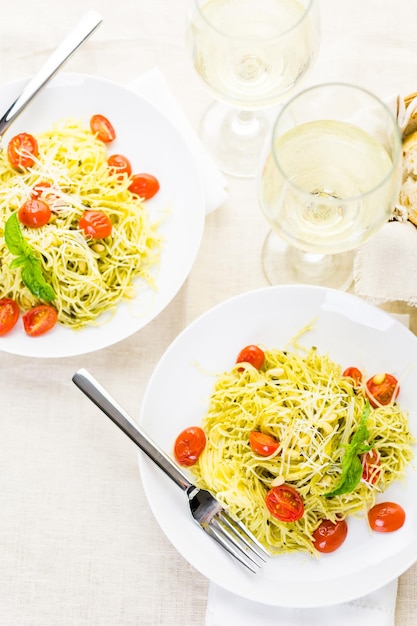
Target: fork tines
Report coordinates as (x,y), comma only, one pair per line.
(234,537)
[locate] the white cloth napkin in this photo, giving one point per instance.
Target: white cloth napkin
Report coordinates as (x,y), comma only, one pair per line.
(153,86)
(375,609)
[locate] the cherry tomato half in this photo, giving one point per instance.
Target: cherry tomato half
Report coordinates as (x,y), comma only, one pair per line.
(329,536)
(386,517)
(189,444)
(251,354)
(371,462)
(285,503)
(262,444)
(96,224)
(9,314)
(102,128)
(119,164)
(34,213)
(355,374)
(144,185)
(382,389)
(22,150)
(39,320)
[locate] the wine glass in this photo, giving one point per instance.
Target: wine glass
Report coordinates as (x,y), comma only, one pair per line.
(329,180)
(250,54)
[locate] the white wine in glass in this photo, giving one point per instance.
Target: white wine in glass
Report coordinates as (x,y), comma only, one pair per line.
(251,54)
(328,182)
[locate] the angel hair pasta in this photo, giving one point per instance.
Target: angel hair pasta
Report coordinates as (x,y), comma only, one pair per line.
(306,404)
(88,276)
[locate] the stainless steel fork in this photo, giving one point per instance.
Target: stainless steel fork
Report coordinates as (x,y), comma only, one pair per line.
(231,534)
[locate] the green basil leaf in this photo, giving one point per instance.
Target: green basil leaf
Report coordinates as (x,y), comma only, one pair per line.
(362,433)
(365,448)
(18,261)
(34,280)
(32,275)
(351,466)
(14,238)
(350,479)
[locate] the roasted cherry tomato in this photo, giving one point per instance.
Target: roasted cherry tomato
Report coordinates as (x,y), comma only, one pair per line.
(144,185)
(189,444)
(382,389)
(46,191)
(386,517)
(34,213)
(102,128)
(9,314)
(40,188)
(355,374)
(119,164)
(39,320)
(96,224)
(262,444)
(251,354)
(371,466)
(22,150)
(285,503)
(329,536)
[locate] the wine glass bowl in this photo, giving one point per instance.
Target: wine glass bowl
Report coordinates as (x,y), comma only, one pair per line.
(250,54)
(329,180)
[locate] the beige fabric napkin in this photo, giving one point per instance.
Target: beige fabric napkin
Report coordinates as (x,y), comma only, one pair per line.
(154,86)
(385,267)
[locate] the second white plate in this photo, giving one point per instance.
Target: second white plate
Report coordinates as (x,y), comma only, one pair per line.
(352,332)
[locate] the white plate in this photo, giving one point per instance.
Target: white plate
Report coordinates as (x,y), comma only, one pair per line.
(353,333)
(152,144)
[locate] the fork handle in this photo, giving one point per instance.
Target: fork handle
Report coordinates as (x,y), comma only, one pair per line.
(61,54)
(101,398)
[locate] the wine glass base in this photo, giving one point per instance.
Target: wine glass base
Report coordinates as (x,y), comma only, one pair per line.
(285,264)
(235,139)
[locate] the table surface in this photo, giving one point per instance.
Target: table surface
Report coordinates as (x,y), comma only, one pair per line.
(78,543)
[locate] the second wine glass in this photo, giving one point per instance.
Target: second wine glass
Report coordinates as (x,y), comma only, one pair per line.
(329,180)
(251,54)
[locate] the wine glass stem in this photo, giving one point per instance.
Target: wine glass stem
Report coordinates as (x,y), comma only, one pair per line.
(235,138)
(246,123)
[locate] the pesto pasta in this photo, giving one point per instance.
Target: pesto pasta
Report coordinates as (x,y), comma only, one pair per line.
(88,276)
(305,403)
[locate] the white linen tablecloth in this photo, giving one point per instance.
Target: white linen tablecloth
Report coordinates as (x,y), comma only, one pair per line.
(78,543)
